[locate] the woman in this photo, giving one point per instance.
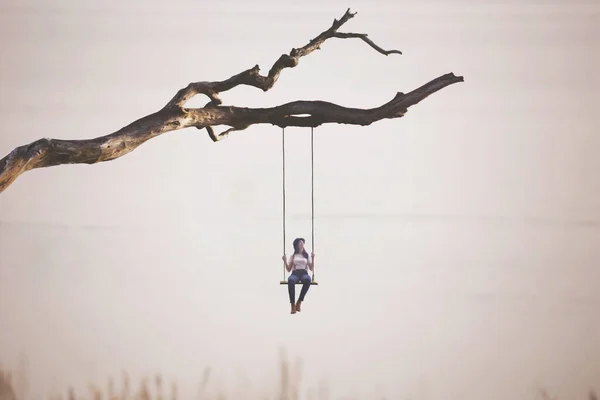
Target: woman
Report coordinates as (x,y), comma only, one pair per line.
(299,262)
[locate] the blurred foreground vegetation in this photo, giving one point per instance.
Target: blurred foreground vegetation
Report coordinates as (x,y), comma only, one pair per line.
(15,388)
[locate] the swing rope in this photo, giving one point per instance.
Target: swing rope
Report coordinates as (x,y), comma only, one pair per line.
(283,180)
(312,197)
(312,192)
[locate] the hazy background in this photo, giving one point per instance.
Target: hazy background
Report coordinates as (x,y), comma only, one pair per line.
(458,248)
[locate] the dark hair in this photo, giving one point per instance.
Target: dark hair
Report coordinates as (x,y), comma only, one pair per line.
(297,250)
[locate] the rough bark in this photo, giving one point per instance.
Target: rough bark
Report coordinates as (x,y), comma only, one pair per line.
(174,115)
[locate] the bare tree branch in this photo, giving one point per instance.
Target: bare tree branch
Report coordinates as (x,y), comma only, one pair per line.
(174,116)
(251,77)
(364,37)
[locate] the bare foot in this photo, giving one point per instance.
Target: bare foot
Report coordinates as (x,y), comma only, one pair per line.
(298,306)
(293,309)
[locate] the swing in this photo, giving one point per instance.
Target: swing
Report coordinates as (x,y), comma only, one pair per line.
(312,213)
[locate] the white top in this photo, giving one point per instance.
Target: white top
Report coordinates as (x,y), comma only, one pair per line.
(299,262)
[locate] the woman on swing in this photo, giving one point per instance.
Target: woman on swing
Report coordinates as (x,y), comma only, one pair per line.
(299,264)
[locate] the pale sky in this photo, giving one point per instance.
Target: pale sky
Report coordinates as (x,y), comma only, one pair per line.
(457,248)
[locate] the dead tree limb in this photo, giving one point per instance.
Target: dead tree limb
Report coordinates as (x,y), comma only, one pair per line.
(174,115)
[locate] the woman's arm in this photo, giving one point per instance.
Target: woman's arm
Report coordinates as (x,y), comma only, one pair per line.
(311,262)
(289,263)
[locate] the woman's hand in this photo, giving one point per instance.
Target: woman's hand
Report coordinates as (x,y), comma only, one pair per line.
(283,257)
(312,255)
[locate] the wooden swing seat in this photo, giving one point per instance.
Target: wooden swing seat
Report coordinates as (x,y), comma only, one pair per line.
(298,283)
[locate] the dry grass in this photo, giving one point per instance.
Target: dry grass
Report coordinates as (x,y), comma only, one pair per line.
(152,389)
(288,390)
(7,391)
(545,396)
(143,392)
